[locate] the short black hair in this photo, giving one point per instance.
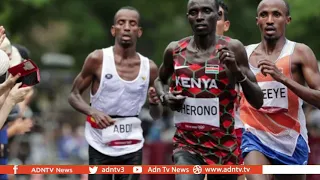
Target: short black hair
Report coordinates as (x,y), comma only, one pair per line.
(287,6)
(216,4)
(127,8)
(225,9)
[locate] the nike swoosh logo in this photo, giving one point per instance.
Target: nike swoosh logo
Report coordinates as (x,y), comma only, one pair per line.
(180,67)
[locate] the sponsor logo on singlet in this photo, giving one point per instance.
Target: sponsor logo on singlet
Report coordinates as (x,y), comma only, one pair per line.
(108,76)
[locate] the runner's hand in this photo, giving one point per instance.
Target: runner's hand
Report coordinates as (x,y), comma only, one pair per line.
(153,97)
(102,119)
(227,58)
(175,100)
(268,67)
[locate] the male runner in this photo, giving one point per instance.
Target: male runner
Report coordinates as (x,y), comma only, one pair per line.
(277,133)
(223,26)
(205,68)
(119,78)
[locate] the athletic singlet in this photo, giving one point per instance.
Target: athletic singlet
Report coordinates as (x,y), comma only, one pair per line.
(237,120)
(122,100)
(281,119)
(205,124)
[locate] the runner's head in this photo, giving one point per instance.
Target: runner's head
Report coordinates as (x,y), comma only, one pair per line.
(203,16)
(272,18)
(126,29)
(223,23)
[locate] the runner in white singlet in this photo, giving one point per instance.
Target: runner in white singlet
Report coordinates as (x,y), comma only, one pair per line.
(119,78)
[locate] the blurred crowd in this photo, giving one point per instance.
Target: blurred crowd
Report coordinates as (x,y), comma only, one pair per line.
(27,135)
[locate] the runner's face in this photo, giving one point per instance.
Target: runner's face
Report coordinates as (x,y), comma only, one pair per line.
(202,16)
(272,19)
(126,29)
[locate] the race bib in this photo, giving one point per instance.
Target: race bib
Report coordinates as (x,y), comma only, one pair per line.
(202,111)
(275,96)
(123,129)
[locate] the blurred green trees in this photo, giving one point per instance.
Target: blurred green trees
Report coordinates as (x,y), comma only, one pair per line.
(77,27)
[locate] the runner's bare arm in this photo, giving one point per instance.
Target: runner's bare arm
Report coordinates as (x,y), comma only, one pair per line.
(250,87)
(166,69)
(310,71)
(173,99)
(155,109)
(83,80)
(81,83)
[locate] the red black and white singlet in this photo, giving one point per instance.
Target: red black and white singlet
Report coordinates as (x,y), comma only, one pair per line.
(205,124)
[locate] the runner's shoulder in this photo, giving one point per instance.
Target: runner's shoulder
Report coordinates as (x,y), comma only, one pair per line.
(95,57)
(175,44)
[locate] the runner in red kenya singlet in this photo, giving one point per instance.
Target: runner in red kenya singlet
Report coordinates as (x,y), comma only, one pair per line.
(205,69)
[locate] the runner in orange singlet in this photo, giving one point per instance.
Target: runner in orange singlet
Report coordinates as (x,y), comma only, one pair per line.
(276,133)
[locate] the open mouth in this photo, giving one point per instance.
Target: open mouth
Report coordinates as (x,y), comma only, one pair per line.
(270,30)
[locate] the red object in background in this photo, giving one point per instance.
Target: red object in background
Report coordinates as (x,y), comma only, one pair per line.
(29,71)
(157,153)
(314,156)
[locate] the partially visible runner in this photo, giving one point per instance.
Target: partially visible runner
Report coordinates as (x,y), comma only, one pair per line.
(205,68)
(276,134)
(223,26)
(119,78)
